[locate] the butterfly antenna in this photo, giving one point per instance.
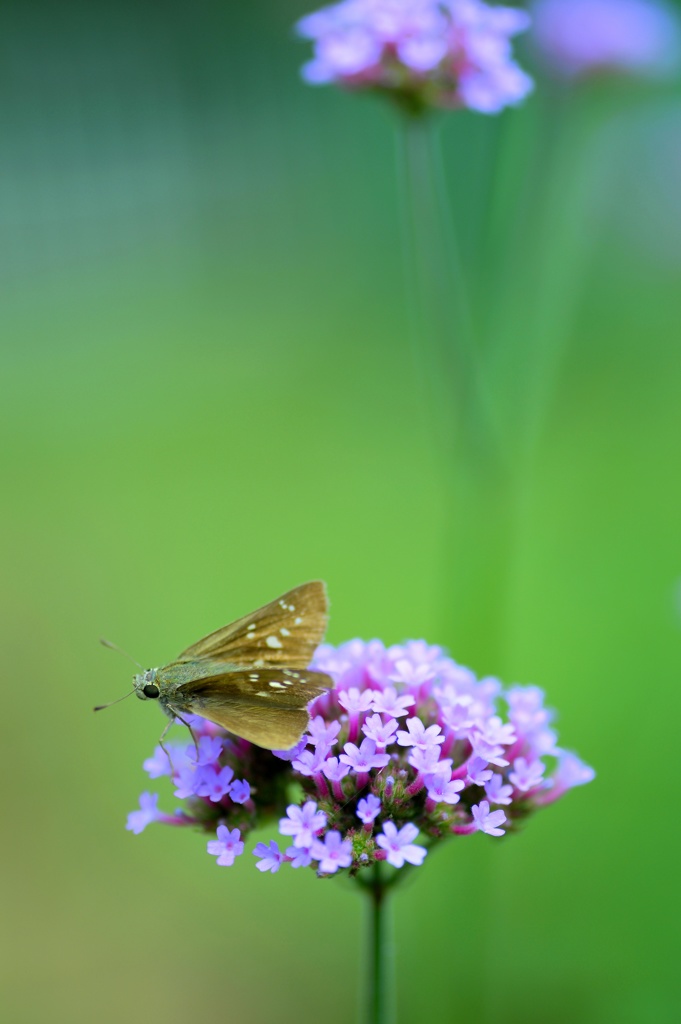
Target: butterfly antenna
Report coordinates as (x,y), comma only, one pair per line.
(115,647)
(100,707)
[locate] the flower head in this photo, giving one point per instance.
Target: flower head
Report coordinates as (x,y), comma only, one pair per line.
(466,748)
(423,53)
(577,38)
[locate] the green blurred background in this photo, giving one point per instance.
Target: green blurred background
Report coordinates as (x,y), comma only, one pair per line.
(208,397)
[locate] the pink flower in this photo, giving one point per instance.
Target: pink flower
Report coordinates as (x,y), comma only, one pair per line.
(577,38)
(425,53)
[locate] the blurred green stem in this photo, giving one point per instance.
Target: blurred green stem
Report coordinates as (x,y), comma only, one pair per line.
(380,1001)
(541,242)
(450,368)
(441,329)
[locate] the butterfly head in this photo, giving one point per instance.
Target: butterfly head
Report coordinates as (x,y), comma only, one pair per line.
(145,685)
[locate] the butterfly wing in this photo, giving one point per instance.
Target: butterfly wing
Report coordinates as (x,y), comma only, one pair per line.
(284,632)
(268,707)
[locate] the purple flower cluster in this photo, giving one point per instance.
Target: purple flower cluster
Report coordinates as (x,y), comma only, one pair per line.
(423,53)
(408,749)
(578,38)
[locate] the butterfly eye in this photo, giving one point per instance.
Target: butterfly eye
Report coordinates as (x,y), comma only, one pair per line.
(151,690)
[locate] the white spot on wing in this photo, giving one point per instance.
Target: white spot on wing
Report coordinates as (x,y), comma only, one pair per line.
(277,686)
(298,621)
(284,631)
(263,693)
(274,642)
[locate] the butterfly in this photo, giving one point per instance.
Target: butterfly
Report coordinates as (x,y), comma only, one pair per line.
(251,677)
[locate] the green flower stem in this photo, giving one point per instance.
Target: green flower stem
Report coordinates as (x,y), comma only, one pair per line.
(440,324)
(541,241)
(450,367)
(380,997)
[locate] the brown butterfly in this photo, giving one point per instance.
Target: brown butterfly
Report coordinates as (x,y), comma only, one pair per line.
(251,677)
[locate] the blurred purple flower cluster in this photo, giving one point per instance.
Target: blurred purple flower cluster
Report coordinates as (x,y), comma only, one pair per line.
(423,53)
(409,745)
(578,38)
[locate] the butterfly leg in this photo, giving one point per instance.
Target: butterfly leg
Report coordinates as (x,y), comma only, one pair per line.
(179,718)
(162,745)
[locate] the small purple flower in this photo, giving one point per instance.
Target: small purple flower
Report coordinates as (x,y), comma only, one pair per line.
(386,702)
(477,772)
(491,753)
(334,770)
(293,752)
(214,782)
(186,779)
(442,790)
(400,845)
(210,750)
(526,775)
(411,675)
(158,764)
(368,809)
(363,758)
(571,772)
(427,761)
(418,736)
(323,733)
(148,812)
(333,853)
(354,701)
(226,847)
(486,821)
(496,792)
(240,791)
(300,857)
(310,762)
(302,823)
(271,857)
(525,703)
(457,716)
(498,732)
(382,733)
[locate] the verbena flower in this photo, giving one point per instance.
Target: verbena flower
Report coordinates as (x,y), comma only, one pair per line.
(578,38)
(226,847)
(468,748)
(422,53)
